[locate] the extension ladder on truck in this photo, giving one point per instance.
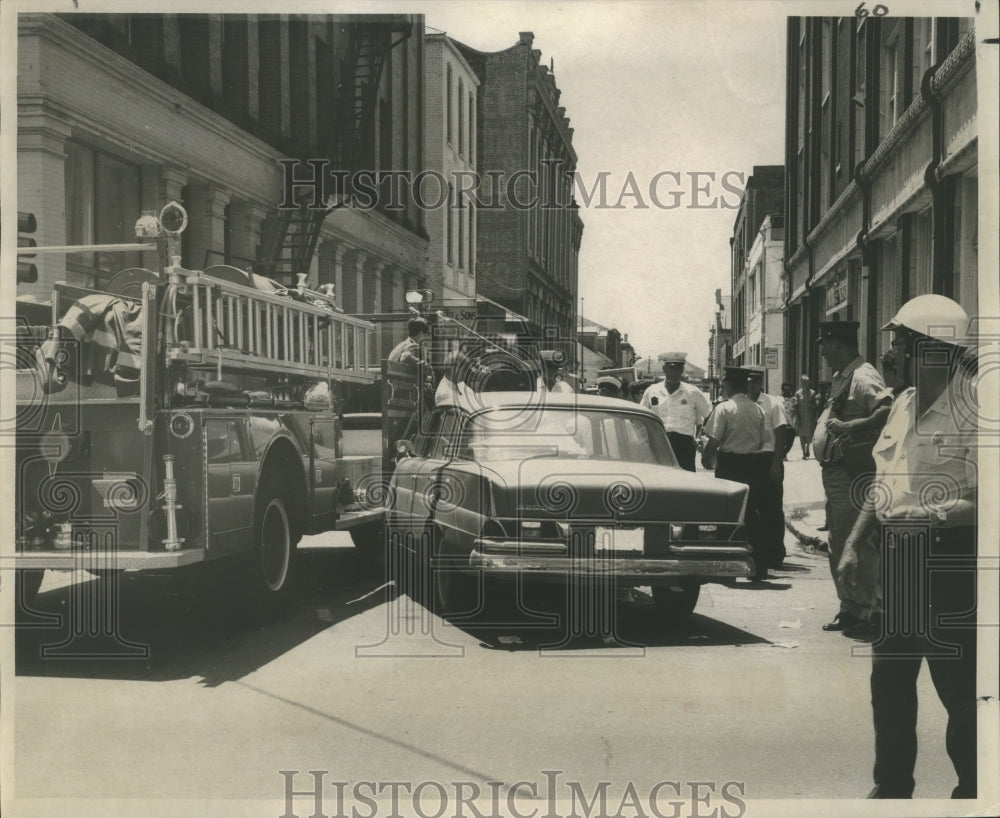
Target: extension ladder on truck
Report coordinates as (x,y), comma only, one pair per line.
(235,326)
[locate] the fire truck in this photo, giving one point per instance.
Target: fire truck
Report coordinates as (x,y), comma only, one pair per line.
(179,417)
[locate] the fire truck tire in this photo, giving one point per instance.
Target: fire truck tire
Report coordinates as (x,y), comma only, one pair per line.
(272,569)
(675,603)
(370,541)
(28,582)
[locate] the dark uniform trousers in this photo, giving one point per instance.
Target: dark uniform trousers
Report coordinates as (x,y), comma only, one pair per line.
(684,449)
(752,470)
(927,575)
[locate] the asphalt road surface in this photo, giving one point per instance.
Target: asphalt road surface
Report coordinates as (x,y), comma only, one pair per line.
(191,705)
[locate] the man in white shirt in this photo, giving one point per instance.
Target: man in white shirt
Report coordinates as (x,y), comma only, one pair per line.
(779,436)
(737,432)
(924,502)
(681,406)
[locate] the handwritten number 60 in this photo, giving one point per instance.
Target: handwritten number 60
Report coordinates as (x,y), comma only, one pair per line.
(878,11)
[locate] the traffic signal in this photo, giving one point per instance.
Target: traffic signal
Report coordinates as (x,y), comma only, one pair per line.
(27,273)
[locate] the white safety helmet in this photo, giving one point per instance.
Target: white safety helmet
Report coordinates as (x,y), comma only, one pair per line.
(933,316)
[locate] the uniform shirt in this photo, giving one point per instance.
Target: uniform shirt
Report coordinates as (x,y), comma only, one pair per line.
(562,386)
(774,414)
(922,464)
(738,425)
(865,390)
(683,411)
(405,350)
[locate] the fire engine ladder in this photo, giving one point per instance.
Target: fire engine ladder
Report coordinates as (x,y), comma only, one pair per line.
(218,324)
(292,242)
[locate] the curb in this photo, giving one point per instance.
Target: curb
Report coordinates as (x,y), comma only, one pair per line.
(806,538)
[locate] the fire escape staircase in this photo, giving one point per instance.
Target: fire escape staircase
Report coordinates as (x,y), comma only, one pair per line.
(289,248)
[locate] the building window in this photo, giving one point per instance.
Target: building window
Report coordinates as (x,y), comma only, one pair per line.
(923,48)
(966,249)
(891,81)
(451,224)
(461,235)
(460,103)
(447,105)
(470,211)
(472,129)
(102,206)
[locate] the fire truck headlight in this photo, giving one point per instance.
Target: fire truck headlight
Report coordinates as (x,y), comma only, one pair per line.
(173,218)
(181,425)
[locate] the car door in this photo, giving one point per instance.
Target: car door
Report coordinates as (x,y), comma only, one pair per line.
(426,490)
(405,476)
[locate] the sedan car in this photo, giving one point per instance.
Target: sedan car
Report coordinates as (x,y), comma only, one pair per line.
(555,487)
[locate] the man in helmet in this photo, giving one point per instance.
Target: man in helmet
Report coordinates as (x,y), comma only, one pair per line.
(608,386)
(924,500)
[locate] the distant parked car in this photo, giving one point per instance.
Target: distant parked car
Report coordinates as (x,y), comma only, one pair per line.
(555,486)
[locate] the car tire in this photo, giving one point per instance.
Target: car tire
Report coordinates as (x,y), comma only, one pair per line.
(675,603)
(453,591)
(272,563)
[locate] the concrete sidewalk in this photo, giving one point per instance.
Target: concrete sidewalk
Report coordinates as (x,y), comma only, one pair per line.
(805,501)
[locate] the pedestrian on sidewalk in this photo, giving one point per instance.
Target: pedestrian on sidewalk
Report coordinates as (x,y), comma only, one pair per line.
(682,408)
(806,406)
(926,476)
(788,404)
(846,431)
(735,441)
(778,439)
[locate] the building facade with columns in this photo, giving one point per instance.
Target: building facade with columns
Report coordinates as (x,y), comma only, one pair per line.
(122,113)
(450,93)
(529,230)
(882,173)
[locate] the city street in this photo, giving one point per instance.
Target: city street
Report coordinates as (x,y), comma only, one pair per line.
(750,691)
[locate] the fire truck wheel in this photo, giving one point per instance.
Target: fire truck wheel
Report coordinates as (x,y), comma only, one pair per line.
(675,603)
(370,541)
(273,565)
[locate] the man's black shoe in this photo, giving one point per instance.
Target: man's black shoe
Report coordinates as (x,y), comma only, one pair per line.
(841,621)
(823,527)
(867,630)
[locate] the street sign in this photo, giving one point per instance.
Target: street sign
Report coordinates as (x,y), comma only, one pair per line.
(770,357)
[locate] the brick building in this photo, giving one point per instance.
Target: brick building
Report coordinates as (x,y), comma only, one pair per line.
(450,91)
(881,159)
(527,254)
(120,113)
(756,265)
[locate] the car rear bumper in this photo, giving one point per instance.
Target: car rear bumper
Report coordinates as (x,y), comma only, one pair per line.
(733,563)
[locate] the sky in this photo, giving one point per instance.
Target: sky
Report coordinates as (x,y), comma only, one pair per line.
(685,87)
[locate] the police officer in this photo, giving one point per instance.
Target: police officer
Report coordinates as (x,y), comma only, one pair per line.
(608,386)
(682,408)
(925,505)
(857,409)
(778,439)
(736,435)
